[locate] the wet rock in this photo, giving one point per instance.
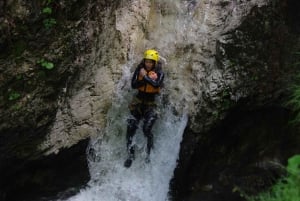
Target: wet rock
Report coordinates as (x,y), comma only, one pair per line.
(244,154)
(45,178)
(31,93)
(218,56)
(254,55)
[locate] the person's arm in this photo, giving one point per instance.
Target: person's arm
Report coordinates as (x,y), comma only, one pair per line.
(155,83)
(135,82)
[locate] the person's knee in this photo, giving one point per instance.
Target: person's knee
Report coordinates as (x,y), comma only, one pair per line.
(132,124)
(148,124)
(147,130)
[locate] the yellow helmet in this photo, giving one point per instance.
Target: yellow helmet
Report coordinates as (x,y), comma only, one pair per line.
(151,54)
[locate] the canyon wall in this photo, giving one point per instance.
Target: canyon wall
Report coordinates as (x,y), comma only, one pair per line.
(61,70)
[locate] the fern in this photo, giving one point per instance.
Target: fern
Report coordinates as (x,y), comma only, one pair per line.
(294,102)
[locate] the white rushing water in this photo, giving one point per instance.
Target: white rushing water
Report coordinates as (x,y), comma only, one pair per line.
(110,180)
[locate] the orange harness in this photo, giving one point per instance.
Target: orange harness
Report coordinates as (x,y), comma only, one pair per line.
(148,88)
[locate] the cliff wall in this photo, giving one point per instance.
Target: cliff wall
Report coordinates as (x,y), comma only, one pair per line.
(60,69)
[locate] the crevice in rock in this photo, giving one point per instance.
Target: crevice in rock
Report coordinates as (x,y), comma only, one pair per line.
(47,177)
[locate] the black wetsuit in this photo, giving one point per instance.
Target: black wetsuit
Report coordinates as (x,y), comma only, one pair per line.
(143,106)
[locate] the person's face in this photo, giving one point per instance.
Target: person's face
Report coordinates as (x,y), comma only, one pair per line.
(149,64)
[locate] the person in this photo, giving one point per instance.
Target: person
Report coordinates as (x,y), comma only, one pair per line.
(147,79)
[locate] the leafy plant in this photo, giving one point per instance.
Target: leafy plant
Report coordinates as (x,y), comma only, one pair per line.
(13,95)
(294,102)
(49,1)
(46,64)
(16,107)
(49,23)
(294,99)
(294,165)
(288,188)
(47,10)
(19,77)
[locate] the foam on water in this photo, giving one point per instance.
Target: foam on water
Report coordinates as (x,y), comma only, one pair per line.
(111,181)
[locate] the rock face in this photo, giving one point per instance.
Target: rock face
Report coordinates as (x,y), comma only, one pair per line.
(255,61)
(186,34)
(42,49)
(47,178)
(243,154)
(61,64)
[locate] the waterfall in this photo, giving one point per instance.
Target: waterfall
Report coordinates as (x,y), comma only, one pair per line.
(185,32)
(110,180)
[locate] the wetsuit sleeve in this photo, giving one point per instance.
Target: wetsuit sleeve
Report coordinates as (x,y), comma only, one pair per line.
(135,82)
(155,83)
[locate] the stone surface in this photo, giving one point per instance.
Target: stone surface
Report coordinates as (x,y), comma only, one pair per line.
(244,154)
(47,178)
(185,33)
(218,55)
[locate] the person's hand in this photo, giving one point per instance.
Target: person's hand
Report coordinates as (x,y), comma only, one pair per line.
(143,72)
(152,75)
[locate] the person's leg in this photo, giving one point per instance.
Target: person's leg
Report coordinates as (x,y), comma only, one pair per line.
(131,128)
(132,125)
(150,118)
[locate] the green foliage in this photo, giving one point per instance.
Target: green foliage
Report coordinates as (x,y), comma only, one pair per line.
(47,10)
(13,95)
(294,166)
(216,114)
(294,101)
(16,107)
(49,23)
(46,64)
(19,77)
(226,102)
(288,188)
(297,63)
(49,1)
